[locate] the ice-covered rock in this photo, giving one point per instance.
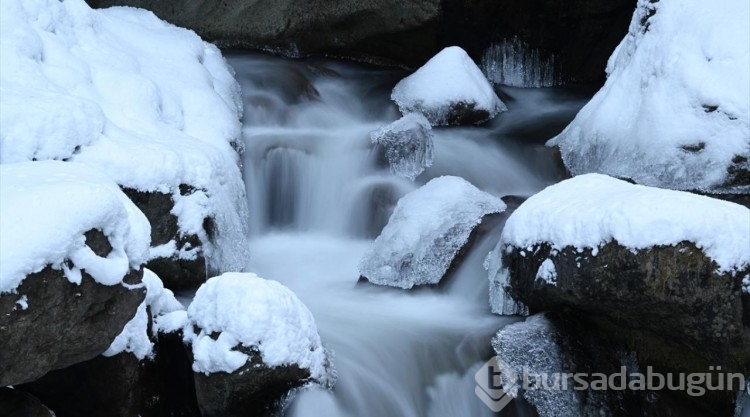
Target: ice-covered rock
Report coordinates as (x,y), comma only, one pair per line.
(150,104)
(448,90)
(660,262)
(253,341)
(426,232)
(72,249)
(408,145)
(674,111)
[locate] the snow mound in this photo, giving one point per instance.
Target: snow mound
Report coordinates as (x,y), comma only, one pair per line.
(408,145)
(46,208)
(590,210)
(427,229)
(148,103)
(449,83)
(244,309)
(167,315)
(674,111)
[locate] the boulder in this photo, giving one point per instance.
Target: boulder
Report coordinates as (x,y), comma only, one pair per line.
(16,403)
(407,143)
(543,347)
(123,385)
(252,341)
(70,266)
(448,90)
(673,112)
(580,34)
(145,371)
(176,255)
(665,263)
(427,232)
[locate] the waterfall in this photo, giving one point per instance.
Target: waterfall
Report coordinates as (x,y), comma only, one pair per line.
(319,193)
(513,63)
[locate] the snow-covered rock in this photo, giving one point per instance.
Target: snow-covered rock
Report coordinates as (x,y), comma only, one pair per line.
(662,262)
(148,103)
(674,111)
(72,245)
(48,206)
(254,340)
(426,231)
(448,90)
(591,210)
(408,145)
(167,315)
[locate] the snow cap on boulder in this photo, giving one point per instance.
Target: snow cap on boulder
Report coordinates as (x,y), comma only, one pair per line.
(448,90)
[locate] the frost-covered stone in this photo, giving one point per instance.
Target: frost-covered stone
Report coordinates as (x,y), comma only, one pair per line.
(674,111)
(408,145)
(149,104)
(425,233)
(448,90)
(660,262)
(254,340)
(532,347)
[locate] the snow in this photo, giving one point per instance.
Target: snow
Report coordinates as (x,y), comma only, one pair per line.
(674,110)
(408,145)
(256,313)
(590,210)
(148,103)
(447,79)
(47,207)
(167,315)
(547,272)
(424,234)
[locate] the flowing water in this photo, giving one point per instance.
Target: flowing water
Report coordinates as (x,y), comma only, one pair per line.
(319,194)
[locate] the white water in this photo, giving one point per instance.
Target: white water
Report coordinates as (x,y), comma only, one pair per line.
(318,194)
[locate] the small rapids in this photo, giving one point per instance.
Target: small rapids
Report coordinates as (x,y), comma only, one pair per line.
(319,193)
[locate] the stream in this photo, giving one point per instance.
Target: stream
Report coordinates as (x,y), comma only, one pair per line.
(319,194)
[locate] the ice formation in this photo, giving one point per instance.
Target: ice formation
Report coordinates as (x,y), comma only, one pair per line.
(408,145)
(427,229)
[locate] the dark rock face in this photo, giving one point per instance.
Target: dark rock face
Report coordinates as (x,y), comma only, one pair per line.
(568,342)
(253,390)
(64,323)
(669,292)
(123,386)
(580,34)
(176,273)
(16,403)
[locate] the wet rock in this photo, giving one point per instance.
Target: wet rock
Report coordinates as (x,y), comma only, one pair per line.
(123,385)
(254,390)
(177,270)
(252,342)
(61,323)
(547,346)
(580,34)
(670,292)
(16,403)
